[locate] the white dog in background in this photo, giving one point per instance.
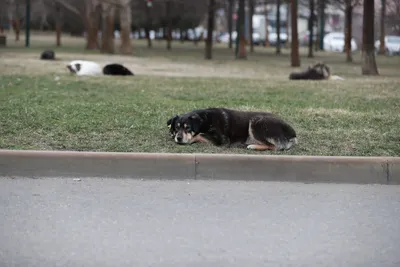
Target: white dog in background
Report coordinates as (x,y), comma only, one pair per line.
(85,68)
(90,68)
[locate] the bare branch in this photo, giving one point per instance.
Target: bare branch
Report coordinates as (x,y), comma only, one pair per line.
(68,6)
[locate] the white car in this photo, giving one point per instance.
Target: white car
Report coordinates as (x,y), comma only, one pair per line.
(392,45)
(334,42)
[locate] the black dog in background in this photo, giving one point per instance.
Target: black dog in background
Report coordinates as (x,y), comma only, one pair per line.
(116,69)
(48,55)
(318,71)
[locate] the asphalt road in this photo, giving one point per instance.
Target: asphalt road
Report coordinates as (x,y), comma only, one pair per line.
(118,223)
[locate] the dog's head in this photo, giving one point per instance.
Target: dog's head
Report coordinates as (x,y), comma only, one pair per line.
(74,67)
(321,69)
(187,127)
(171,123)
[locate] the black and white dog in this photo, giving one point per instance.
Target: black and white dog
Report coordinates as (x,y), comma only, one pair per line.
(90,68)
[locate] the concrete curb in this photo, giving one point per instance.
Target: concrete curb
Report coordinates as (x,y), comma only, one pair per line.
(358,170)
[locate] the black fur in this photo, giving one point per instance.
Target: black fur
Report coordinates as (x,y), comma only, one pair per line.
(171,123)
(48,55)
(226,126)
(319,71)
(116,69)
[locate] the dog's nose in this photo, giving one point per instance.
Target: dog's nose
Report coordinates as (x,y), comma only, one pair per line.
(179,138)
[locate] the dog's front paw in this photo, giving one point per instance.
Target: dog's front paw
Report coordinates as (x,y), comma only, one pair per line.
(252,147)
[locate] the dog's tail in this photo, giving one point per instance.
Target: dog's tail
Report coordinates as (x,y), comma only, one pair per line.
(298,75)
(335,77)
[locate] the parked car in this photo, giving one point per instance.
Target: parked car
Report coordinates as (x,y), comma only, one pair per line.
(273,36)
(392,45)
(334,42)
(224,38)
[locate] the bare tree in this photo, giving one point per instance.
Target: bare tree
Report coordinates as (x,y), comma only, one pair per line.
(278,26)
(266,43)
(311,20)
(231,4)
(148,24)
(58,23)
(251,13)
(369,66)
(210,29)
(92,25)
(295,57)
(125,16)
(393,16)
(348,29)
(169,23)
(348,6)
(382,25)
(108,17)
(321,8)
(13,17)
(241,39)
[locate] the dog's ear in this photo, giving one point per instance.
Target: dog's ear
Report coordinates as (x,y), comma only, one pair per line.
(196,122)
(171,121)
(78,67)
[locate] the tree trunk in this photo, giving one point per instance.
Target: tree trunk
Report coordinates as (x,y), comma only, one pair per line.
(287,43)
(266,43)
(322,24)
(169,22)
(230,21)
(311,30)
(148,26)
(91,25)
(107,42)
(14,20)
(369,64)
(125,16)
(348,28)
(382,37)
(17,24)
(295,57)
(196,38)
(58,25)
(241,42)
(210,29)
(251,7)
(317,20)
(182,35)
(278,27)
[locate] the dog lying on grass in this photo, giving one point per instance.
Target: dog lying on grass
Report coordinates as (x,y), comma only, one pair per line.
(318,71)
(219,126)
(48,55)
(90,68)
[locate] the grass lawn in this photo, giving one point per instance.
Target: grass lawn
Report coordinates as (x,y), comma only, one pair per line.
(43,107)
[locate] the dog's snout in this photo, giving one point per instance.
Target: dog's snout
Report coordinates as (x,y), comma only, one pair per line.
(179,138)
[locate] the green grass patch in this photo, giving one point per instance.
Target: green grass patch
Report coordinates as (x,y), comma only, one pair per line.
(354,117)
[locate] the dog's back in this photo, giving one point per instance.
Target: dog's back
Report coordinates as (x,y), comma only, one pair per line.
(47,55)
(116,69)
(84,67)
(319,71)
